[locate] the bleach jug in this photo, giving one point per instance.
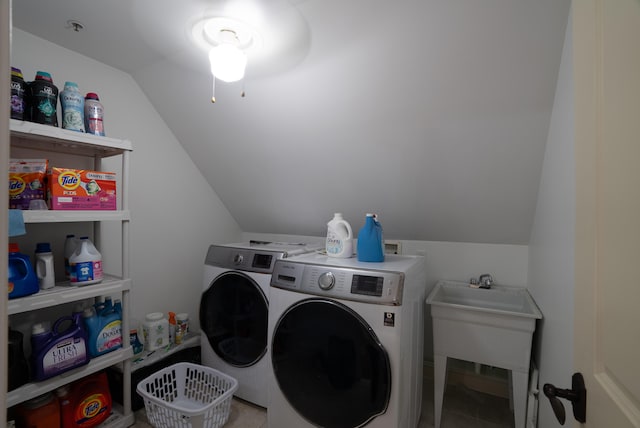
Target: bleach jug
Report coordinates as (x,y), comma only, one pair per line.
(54,351)
(104,330)
(339,237)
(370,241)
(85,264)
(22,279)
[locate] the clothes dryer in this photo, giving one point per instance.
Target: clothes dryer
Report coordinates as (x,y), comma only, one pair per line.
(346,342)
(234,311)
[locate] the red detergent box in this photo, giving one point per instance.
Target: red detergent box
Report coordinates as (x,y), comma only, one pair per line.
(80,189)
(26,181)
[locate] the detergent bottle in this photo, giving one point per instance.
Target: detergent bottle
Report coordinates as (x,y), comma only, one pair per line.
(22,278)
(89,402)
(53,351)
(339,237)
(104,329)
(370,241)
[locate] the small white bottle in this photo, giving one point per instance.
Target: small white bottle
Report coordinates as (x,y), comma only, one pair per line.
(44,266)
(85,264)
(339,237)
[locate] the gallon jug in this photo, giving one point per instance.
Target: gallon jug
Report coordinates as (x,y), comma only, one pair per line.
(339,237)
(55,351)
(22,278)
(72,104)
(370,241)
(90,401)
(104,330)
(40,412)
(43,99)
(44,266)
(85,264)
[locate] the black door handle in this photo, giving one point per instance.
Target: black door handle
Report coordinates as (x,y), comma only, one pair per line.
(577,395)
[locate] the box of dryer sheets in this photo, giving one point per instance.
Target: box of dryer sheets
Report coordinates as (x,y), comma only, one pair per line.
(81,189)
(27,179)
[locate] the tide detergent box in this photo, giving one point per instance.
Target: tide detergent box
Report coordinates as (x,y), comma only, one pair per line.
(27,178)
(80,189)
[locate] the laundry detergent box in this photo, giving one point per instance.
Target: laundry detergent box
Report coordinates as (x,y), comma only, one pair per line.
(81,189)
(27,181)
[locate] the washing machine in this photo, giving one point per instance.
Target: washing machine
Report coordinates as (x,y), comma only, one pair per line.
(346,342)
(234,310)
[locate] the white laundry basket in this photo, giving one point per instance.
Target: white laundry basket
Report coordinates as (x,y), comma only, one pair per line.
(187,395)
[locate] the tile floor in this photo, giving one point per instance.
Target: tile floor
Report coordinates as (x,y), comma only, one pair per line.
(463,408)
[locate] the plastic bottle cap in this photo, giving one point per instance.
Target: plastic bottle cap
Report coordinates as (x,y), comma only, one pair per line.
(182,316)
(43,75)
(13,247)
(92,96)
(172,317)
(154,316)
(38,328)
(43,247)
(88,313)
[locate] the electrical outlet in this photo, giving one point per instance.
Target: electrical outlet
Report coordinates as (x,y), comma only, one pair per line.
(392,247)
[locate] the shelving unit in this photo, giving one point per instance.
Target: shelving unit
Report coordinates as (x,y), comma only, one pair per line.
(48,139)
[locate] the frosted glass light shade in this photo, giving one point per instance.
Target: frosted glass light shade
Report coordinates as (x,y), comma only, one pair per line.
(227,62)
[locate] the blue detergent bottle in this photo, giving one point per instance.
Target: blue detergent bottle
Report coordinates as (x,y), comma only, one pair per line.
(104,329)
(370,241)
(22,279)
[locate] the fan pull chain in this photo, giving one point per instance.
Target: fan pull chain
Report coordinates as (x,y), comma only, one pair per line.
(213,90)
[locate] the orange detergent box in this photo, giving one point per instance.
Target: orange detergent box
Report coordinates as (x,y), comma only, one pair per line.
(27,179)
(81,189)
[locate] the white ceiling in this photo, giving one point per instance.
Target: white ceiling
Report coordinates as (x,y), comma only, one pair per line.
(432,113)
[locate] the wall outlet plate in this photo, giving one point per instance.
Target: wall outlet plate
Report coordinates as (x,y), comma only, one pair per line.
(392,247)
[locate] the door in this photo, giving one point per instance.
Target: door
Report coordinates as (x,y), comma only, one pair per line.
(329,364)
(234,313)
(606,41)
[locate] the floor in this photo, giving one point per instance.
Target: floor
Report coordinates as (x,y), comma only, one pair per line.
(463,408)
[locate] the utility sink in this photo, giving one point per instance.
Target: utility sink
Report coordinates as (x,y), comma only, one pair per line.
(488,326)
(499,299)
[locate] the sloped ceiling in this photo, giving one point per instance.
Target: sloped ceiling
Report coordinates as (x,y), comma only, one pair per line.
(431,113)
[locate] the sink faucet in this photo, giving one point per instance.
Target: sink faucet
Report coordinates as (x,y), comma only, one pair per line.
(485,280)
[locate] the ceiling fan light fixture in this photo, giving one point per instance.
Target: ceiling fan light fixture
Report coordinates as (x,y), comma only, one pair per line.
(228,63)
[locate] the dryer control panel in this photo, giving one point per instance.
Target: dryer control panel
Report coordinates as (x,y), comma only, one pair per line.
(370,286)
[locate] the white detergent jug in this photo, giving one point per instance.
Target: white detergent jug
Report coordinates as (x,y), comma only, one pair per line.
(339,237)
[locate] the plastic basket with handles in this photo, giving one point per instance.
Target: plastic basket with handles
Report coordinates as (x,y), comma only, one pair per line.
(187,395)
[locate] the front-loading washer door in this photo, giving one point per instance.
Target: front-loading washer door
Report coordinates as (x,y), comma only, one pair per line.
(234,315)
(330,365)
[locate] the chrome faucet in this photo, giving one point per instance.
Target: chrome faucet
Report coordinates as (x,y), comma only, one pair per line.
(485,280)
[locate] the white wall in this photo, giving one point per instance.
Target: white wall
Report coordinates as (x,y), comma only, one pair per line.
(449,260)
(551,249)
(175,213)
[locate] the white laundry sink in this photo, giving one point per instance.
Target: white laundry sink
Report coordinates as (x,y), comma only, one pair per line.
(508,301)
(488,326)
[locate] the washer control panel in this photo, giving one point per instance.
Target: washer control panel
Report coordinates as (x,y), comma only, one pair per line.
(362,285)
